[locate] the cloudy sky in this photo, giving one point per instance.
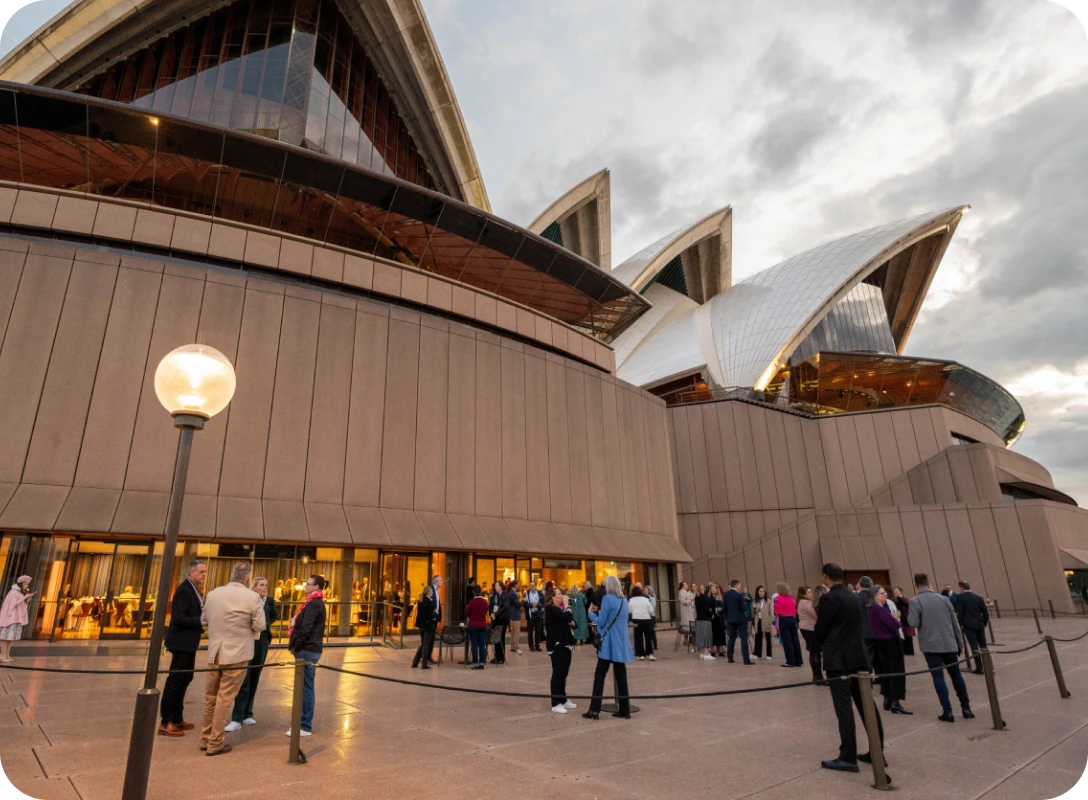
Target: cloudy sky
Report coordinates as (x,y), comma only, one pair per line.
(813,124)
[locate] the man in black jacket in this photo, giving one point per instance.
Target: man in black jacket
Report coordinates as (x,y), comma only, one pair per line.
(307,632)
(182,642)
(838,636)
(973,616)
(427,622)
(737,621)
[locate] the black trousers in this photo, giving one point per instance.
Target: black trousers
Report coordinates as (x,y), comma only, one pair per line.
(426,647)
(619,677)
(761,636)
(644,637)
(535,624)
(890,654)
(738,631)
(500,645)
(842,692)
(815,660)
(977,640)
(172,705)
(791,642)
(560,669)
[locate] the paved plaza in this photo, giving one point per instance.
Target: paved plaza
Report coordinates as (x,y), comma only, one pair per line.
(65,737)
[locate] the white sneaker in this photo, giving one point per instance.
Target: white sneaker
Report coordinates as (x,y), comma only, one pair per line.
(559,709)
(768,658)
(249,721)
(706,658)
(232,726)
(300,733)
(642,658)
(518,652)
(651,658)
(569,704)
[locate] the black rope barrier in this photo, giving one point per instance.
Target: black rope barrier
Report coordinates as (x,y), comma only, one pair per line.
(220,668)
(1074,639)
(1019,650)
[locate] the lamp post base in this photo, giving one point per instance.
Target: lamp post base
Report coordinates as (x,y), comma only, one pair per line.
(140,744)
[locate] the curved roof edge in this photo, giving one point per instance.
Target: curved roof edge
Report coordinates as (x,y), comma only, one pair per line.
(705,279)
(88,35)
(594,194)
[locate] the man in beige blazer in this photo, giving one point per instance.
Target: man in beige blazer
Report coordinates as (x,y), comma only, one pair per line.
(234,615)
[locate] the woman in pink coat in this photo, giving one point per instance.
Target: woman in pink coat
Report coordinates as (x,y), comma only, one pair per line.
(13,616)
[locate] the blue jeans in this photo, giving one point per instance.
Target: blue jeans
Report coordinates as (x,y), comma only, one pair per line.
(948,660)
(477,638)
(308,673)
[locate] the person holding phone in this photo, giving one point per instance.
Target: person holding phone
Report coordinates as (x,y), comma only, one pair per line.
(13,615)
(559,629)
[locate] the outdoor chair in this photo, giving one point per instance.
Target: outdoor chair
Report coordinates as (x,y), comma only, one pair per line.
(452,636)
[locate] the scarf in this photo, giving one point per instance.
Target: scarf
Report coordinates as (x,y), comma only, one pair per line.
(294,619)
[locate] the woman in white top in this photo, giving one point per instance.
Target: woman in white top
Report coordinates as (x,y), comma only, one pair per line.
(642,612)
(686,598)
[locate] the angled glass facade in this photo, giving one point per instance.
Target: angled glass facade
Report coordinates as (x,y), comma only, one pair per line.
(291,70)
(857,322)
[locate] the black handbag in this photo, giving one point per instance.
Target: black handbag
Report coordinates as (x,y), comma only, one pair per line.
(598,640)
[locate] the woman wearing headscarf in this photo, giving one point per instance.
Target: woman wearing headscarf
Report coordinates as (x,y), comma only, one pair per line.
(615,651)
(13,615)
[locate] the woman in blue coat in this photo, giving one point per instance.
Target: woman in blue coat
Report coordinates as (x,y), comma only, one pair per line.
(615,649)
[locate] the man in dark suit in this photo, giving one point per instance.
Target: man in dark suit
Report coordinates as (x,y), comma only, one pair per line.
(838,636)
(973,616)
(182,641)
(737,620)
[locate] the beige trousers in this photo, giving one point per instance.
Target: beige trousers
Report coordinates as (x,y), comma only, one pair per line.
(219,693)
(515,633)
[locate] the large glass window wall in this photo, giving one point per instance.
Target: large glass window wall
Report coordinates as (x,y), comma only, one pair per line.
(290,70)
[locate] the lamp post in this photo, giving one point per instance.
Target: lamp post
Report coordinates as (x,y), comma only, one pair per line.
(194,383)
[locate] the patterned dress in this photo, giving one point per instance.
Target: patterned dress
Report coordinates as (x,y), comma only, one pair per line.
(581,621)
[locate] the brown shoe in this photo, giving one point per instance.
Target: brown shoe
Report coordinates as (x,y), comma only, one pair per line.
(170,729)
(226,749)
(185,726)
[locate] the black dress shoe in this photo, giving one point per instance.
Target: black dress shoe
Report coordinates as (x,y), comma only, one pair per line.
(946,717)
(424,667)
(865,758)
(841,766)
(898,709)
(415,666)
(977,672)
(967,713)
(887,704)
(591,715)
(621,714)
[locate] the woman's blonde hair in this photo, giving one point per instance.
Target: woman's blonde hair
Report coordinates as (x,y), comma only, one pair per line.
(784,588)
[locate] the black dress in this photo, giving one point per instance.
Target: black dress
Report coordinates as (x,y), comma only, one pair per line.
(717,624)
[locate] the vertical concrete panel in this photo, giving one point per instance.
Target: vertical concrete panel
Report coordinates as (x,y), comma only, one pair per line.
(536,439)
(734,486)
(514,490)
(662,499)
(738,524)
(798,462)
(689,535)
(625,401)
(816,464)
(581,512)
(939,420)
(921,488)
(989,488)
(598,459)
(699,460)
(401,396)
(292,401)
(247,434)
(905,440)
(941,479)
(780,460)
(945,569)
(642,469)
(772,561)
(708,544)
(963,548)
(69,381)
(11,270)
(24,358)
(890,462)
(461,427)
(963,477)
(990,557)
(757,572)
(719,494)
(366,413)
(833,462)
(723,533)
(220,326)
(922,421)
(1043,555)
(761,441)
(809,539)
(558,442)
(432,406)
(685,467)
(851,457)
(747,452)
(757,525)
(914,537)
(870,452)
(1017,562)
(327,444)
(612,434)
(154,439)
(792,566)
(488,429)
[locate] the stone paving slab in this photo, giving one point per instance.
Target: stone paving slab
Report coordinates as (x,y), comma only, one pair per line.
(66,736)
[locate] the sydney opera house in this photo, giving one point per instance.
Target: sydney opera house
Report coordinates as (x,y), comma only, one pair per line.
(424,388)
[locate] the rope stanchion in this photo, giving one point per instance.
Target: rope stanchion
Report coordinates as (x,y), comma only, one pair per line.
(991,689)
(1058,676)
(872,728)
(1038,627)
(294,752)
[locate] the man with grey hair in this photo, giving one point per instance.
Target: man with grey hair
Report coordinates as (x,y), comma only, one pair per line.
(182,642)
(234,615)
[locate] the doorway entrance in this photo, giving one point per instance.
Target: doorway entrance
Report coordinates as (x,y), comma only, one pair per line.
(106,590)
(880,577)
